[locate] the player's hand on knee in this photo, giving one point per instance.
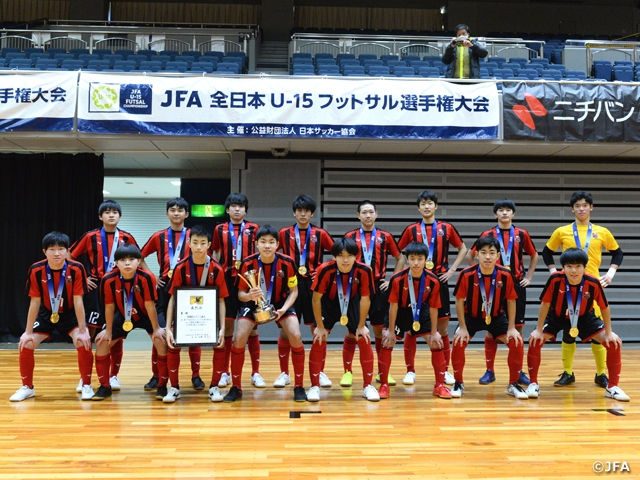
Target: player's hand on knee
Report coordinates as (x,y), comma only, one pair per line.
(83,340)
(388,339)
(435,341)
(168,335)
(364,333)
(612,337)
(461,337)
(27,340)
(513,334)
(319,335)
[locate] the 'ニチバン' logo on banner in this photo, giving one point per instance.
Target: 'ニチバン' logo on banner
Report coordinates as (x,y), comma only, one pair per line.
(524,113)
(127,98)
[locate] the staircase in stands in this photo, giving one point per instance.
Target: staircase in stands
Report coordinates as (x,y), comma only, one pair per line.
(273,58)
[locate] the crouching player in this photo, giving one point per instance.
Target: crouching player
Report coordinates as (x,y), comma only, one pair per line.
(61,283)
(129,295)
(414,300)
(568,303)
(481,293)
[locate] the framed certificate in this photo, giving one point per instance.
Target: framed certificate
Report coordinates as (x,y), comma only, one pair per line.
(196,316)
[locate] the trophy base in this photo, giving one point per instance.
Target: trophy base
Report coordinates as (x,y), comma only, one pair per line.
(265,314)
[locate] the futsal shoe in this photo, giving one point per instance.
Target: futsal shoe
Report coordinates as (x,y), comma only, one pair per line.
(87,392)
(370,393)
(347,379)
(172,395)
(565,379)
(517,391)
(383,392)
(523,379)
(601,380)
(487,378)
(616,393)
(23,393)
(299,394)
(442,391)
(197,383)
(151,385)
(225,379)
(257,381)
(79,387)
(313,394)
(215,395)
(102,393)
(115,384)
(533,390)
(282,381)
(391,383)
(456,391)
(234,394)
(161,392)
(448,378)
(409,378)
(325,382)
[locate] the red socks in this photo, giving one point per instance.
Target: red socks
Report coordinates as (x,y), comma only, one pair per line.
(254,353)
(514,359)
(614,363)
(490,349)
(102,369)
(366,361)
(410,347)
(173,364)
(228,343)
(85,364)
(116,352)
(297,358)
(378,344)
(458,361)
(446,349)
(219,357)
(27,364)
(237,362)
(439,365)
(163,371)
(315,362)
(384,363)
(284,347)
(154,361)
(348,352)
(534,355)
(195,353)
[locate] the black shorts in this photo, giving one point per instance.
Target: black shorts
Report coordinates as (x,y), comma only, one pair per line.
(93,309)
(404,322)
(588,326)
(331,313)
(497,328)
(66,323)
(163,303)
(246,312)
(379,305)
(303,304)
(118,321)
(521,303)
(231,303)
(444,312)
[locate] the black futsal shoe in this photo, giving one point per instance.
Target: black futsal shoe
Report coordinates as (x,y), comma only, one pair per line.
(152,384)
(161,393)
(234,394)
(601,380)
(565,379)
(299,394)
(197,383)
(102,393)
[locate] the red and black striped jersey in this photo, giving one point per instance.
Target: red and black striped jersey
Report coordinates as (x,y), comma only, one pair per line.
(521,244)
(325,280)
(399,289)
(554,293)
(446,235)
(75,283)
(285,275)
(222,242)
(319,241)
(159,244)
(91,244)
(383,246)
(144,290)
(183,275)
(468,287)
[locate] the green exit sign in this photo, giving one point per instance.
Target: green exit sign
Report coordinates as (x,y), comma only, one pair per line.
(209,211)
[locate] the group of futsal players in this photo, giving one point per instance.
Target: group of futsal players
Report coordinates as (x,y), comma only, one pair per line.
(120,294)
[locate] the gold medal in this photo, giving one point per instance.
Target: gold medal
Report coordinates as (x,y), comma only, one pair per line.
(302,270)
(507,267)
(237,264)
(55,317)
(487,319)
(170,274)
(429,265)
(416,326)
(574,332)
(344,320)
(127,326)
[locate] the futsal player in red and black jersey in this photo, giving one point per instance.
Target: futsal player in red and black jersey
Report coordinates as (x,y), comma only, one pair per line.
(305,244)
(98,246)
(232,243)
(514,243)
(129,295)
(414,300)
(486,300)
(56,286)
(171,245)
(278,285)
(342,291)
(568,301)
(375,246)
(196,270)
(437,236)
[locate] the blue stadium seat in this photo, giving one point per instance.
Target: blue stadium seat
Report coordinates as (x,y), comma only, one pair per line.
(201,67)
(345,56)
(429,72)
(417,64)
(228,67)
(150,66)
(20,63)
(45,63)
(101,52)
(192,53)
(37,56)
(176,66)
(324,56)
(189,59)
(602,69)
(348,62)
(303,69)
(72,65)
(376,70)
(530,73)
(302,61)
(76,52)
(125,52)
(387,58)
(491,66)
(326,69)
(53,51)
(125,65)
(561,68)
(13,55)
(400,71)
(557,55)
(411,58)
(519,60)
(363,57)
(620,73)
(171,53)
(7,50)
(623,63)
(576,74)
(349,69)
(541,61)
(432,58)
(499,60)
(163,59)
(302,55)
(370,62)
(112,58)
(97,65)
(537,66)
(87,57)
(552,75)
(30,51)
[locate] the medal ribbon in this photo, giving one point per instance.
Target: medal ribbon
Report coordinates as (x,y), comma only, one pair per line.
(303,249)
(432,242)
(128,299)
(272,279)
(174,256)
(367,251)
(505,255)
(416,306)
(237,245)
(54,298)
(574,310)
(109,261)
(342,298)
(487,302)
(194,273)
(577,237)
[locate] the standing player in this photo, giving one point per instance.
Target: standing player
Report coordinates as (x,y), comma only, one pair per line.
(61,283)
(482,292)
(568,301)
(437,236)
(130,295)
(305,244)
(342,291)
(414,300)
(232,243)
(514,242)
(100,246)
(196,270)
(278,286)
(592,239)
(374,247)
(171,245)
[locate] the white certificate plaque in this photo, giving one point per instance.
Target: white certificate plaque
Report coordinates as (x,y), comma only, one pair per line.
(196,316)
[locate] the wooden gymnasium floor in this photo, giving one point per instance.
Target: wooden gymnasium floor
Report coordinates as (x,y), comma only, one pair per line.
(412,435)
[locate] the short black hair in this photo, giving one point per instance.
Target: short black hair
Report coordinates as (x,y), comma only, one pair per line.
(178,202)
(581,195)
(237,199)
(487,241)
(461,26)
(345,243)
(574,256)
(304,202)
(427,195)
(55,239)
(127,250)
(109,205)
(416,248)
(366,202)
(504,203)
(200,231)
(265,230)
